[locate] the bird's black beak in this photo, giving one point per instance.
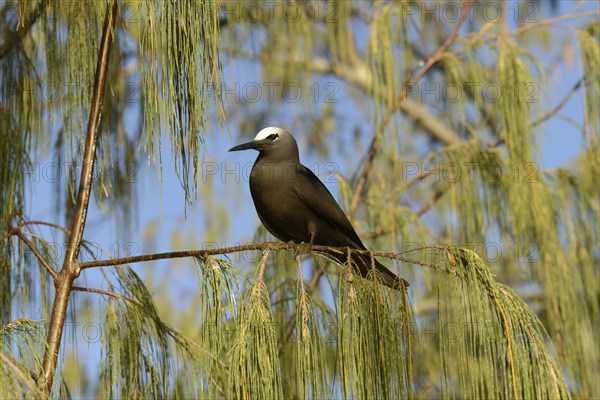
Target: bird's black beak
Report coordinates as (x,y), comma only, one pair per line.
(255,144)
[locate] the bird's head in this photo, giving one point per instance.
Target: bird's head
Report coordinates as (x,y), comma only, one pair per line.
(274,144)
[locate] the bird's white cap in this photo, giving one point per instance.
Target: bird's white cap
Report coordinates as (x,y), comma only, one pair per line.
(263,134)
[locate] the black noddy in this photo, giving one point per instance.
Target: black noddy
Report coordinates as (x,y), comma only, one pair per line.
(294,205)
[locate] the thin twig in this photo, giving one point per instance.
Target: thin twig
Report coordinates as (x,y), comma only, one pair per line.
(560,105)
(106,293)
(317,276)
(430,203)
(528,27)
(550,21)
(37,253)
(365,174)
(380,232)
(62,228)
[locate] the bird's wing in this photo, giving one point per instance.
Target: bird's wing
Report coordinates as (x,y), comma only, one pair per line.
(317,197)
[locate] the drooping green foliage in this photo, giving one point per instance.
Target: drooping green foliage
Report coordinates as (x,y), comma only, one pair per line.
(591,64)
(500,340)
(373,340)
(181,79)
(254,371)
(19,351)
(137,355)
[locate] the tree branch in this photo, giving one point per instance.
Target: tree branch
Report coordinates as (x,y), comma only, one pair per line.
(254,246)
(448,138)
(429,204)
(70,269)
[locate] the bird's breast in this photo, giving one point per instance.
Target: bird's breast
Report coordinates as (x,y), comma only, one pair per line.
(278,207)
(273,175)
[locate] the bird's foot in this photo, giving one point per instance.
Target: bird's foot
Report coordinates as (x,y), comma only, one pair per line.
(302,248)
(295,247)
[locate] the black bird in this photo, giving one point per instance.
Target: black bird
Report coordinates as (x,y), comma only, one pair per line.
(294,205)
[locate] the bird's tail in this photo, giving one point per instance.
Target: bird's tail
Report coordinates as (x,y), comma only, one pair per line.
(364,266)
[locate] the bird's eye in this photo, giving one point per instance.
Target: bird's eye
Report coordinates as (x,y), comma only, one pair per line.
(273,136)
